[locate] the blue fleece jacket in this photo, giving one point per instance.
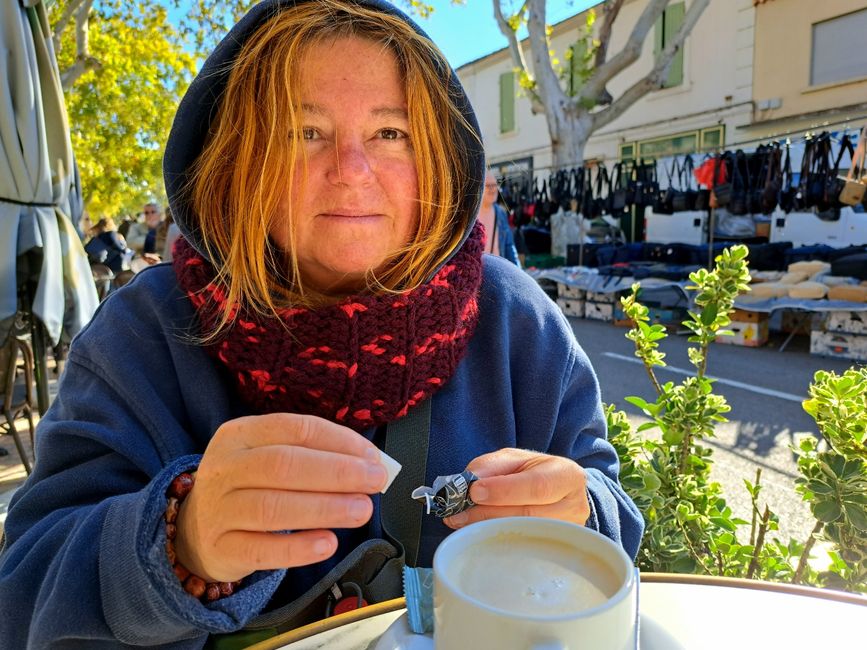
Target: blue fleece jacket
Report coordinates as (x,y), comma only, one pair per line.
(85,564)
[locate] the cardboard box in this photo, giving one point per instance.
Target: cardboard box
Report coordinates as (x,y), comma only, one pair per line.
(656,316)
(848,322)
(595,296)
(751,335)
(571,307)
(836,344)
(570,292)
(804,322)
(603,311)
(744,316)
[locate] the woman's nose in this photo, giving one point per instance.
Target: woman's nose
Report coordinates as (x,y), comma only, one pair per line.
(350,163)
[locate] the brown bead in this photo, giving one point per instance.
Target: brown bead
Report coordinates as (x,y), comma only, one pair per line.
(212,592)
(180,487)
(170,552)
(181,571)
(194,586)
(171,531)
(172,507)
(226,588)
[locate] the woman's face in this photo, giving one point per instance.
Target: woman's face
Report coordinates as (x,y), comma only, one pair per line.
(359,203)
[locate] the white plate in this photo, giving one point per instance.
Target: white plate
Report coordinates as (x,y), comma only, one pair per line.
(398,636)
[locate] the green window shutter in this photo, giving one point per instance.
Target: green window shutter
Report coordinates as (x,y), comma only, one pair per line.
(507,102)
(658,36)
(673,19)
(579,50)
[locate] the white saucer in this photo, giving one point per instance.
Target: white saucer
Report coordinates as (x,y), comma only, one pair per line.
(398,636)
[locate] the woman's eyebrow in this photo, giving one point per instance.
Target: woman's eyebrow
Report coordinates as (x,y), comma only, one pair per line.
(380,111)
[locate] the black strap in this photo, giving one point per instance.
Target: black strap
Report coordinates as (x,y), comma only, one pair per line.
(406,440)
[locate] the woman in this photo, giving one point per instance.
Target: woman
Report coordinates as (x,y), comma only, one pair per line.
(329,290)
(500,240)
(106,246)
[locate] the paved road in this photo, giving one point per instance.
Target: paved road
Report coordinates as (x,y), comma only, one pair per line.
(764,388)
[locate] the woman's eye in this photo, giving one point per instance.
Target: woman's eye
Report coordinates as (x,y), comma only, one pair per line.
(306,133)
(392,134)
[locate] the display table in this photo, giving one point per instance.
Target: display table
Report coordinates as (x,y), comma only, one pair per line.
(676,612)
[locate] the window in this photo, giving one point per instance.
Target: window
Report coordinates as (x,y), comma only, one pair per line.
(627,151)
(667,26)
(669,146)
(713,138)
(507,102)
(838,50)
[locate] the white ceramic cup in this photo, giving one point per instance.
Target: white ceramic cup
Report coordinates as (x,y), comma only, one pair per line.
(464,622)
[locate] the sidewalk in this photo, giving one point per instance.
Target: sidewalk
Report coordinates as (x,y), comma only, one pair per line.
(12,473)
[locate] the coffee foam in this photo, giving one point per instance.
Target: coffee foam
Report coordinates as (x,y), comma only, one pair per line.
(532,576)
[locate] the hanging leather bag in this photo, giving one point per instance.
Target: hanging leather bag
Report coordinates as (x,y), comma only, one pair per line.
(740,198)
(684,199)
(721,192)
(834,183)
(854,189)
(770,193)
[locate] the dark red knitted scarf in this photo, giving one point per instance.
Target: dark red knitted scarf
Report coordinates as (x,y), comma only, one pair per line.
(361,362)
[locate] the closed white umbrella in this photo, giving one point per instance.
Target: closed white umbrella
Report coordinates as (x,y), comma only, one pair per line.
(39,248)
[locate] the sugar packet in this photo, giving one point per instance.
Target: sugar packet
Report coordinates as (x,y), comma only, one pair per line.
(418,590)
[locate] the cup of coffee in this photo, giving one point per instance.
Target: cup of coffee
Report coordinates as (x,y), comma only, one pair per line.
(528,582)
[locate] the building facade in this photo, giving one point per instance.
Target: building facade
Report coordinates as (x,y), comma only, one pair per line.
(750,70)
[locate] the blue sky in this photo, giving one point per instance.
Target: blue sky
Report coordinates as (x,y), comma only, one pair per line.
(467,32)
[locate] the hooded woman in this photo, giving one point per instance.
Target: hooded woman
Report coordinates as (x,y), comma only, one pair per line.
(329,299)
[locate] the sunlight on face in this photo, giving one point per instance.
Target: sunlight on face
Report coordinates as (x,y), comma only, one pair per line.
(360,201)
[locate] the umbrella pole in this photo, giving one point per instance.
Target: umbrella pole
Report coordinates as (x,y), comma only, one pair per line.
(40,365)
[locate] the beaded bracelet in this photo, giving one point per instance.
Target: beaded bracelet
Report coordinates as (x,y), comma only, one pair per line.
(194,585)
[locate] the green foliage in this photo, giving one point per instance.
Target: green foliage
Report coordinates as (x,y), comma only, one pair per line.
(120,112)
(834,480)
(690,527)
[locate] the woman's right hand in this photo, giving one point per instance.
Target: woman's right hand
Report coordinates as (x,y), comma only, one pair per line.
(275,472)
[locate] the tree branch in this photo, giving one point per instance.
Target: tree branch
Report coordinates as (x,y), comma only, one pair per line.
(83,61)
(612,9)
(515,49)
(60,25)
(657,74)
(546,78)
(630,53)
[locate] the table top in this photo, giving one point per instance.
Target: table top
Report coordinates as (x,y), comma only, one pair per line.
(678,612)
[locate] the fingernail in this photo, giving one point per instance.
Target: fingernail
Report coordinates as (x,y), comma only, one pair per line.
(358,509)
(479,493)
(375,475)
(322,546)
(371,453)
(459,519)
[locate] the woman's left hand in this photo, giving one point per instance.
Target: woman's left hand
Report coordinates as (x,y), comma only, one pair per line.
(521,483)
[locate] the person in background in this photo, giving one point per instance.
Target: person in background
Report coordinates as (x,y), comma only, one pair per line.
(141,237)
(107,247)
(212,459)
(494,218)
(168,237)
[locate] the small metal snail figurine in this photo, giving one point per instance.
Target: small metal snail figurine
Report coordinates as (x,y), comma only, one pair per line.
(448,496)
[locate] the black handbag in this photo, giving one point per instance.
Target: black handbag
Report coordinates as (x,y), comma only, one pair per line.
(619,192)
(740,196)
(685,198)
(664,201)
(770,192)
(788,191)
(721,193)
(602,193)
